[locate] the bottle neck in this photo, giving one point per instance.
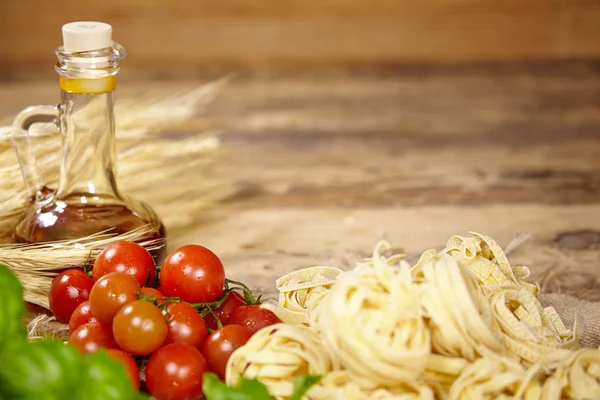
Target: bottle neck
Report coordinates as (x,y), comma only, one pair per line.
(87,171)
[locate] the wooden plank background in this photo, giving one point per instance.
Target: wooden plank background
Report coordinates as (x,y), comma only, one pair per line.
(175,36)
(329,164)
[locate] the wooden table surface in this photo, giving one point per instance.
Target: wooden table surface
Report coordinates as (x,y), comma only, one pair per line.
(332,161)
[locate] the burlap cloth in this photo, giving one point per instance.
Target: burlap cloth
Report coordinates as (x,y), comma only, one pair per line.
(569,308)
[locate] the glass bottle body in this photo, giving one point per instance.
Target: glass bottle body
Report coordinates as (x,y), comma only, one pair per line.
(87,200)
(70,220)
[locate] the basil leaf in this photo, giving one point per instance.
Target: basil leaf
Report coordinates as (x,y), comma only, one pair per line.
(252,389)
(302,385)
(12,308)
(249,389)
(47,369)
(106,379)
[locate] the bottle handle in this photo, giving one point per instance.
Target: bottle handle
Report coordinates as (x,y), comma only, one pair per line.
(34,182)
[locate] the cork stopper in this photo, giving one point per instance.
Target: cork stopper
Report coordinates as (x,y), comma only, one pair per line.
(86,36)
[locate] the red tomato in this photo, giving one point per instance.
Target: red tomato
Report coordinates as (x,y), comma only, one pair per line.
(193,273)
(81,315)
(175,372)
(185,325)
(92,337)
(129,364)
(139,328)
(220,344)
(253,318)
(110,293)
(69,289)
(153,294)
(231,303)
(127,257)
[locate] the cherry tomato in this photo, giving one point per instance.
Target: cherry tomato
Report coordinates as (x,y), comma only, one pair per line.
(91,337)
(231,303)
(139,328)
(193,273)
(128,257)
(129,364)
(81,315)
(175,372)
(110,293)
(152,293)
(69,289)
(220,344)
(253,318)
(185,325)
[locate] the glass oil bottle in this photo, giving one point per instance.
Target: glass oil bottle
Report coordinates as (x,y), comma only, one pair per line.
(87,200)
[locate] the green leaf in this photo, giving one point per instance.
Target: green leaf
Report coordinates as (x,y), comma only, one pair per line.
(302,385)
(12,308)
(106,379)
(248,389)
(252,389)
(46,369)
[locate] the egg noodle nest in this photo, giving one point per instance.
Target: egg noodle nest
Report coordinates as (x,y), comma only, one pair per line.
(459,324)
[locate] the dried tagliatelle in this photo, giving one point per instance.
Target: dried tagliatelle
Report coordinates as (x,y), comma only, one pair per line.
(488,263)
(373,316)
(577,378)
(297,289)
(338,385)
(489,378)
(279,353)
(529,330)
(459,316)
(459,324)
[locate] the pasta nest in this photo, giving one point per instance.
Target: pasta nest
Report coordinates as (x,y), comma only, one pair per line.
(299,288)
(373,316)
(277,354)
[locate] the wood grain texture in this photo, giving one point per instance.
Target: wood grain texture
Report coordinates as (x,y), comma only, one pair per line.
(177,35)
(331,162)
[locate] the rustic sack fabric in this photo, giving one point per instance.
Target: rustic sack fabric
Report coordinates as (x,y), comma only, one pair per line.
(569,308)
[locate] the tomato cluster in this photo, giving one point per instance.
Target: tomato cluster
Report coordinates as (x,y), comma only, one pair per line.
(186,326)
